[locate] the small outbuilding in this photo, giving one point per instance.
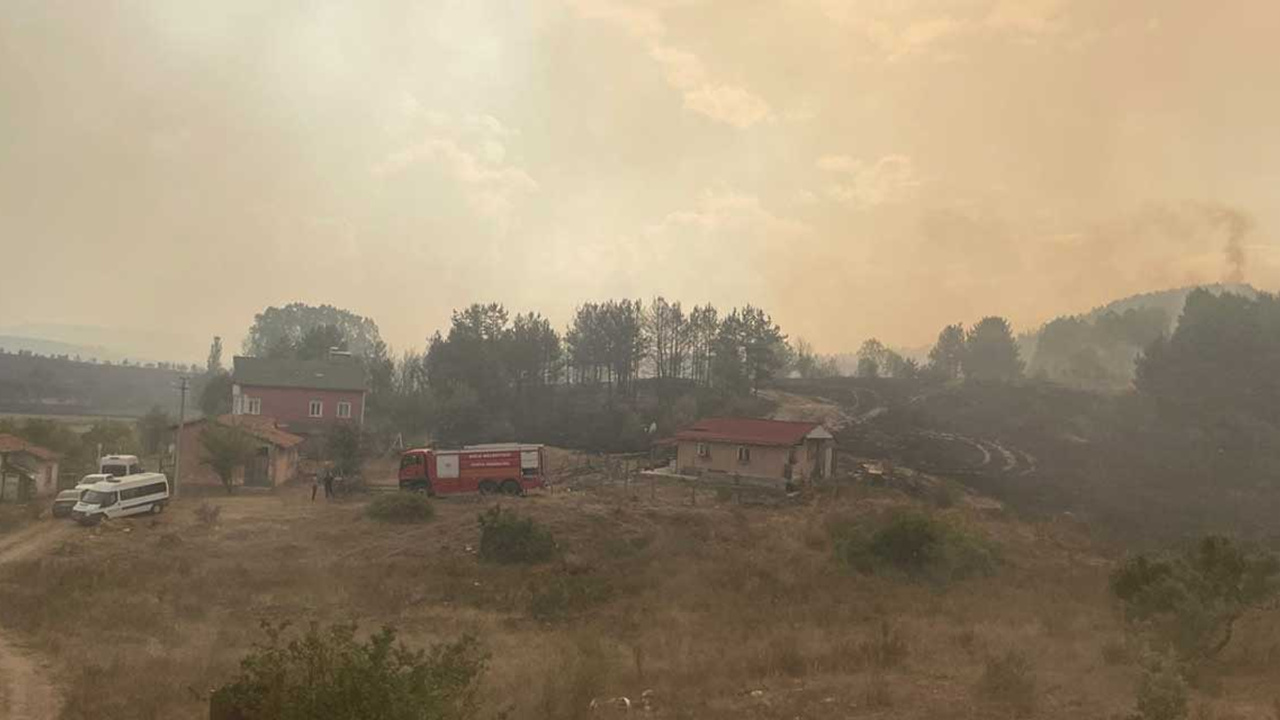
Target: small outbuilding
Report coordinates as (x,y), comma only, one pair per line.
(275,459)
(27,471)
(782,449)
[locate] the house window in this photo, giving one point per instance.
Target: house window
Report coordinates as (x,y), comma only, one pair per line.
(253,406)
(344,409)
(317,409)
(704,450)
(744,454)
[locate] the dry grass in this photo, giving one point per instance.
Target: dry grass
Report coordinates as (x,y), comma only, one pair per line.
(721,611)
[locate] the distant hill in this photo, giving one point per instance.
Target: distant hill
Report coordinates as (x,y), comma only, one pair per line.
(1170,301)
(104,343)
(40,346)
(1098,349)
(42,385)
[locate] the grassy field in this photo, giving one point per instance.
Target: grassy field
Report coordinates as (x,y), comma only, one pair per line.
(715,611)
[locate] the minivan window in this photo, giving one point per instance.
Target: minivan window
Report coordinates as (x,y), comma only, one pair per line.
(101,499)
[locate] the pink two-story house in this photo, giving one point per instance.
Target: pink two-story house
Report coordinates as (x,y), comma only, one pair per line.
(304,397)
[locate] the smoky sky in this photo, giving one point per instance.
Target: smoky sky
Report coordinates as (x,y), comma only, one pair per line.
(861,169)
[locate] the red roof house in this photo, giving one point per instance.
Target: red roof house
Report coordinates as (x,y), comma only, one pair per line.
(306,397)
(782,449)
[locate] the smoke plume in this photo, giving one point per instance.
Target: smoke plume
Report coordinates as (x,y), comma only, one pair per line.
(1236,225)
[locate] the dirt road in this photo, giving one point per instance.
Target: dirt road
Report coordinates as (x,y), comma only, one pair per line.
(26,692)
(800,407)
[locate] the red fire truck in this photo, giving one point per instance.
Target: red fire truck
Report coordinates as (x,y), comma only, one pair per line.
(509,468)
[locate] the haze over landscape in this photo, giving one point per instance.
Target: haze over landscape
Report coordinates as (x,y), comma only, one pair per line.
(569,359)
(859,169)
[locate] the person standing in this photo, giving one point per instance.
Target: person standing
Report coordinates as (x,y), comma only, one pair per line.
(315,486)
(328,484)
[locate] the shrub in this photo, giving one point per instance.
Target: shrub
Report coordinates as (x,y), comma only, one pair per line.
(916,545)
(564,594)
(1009,679)
(1191,600)
(401,507)
(506,537)
(330,674)
(888,649)
(207,514)
(1162,693)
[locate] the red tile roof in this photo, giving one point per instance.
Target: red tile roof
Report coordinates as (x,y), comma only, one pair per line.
(747,431)
(259,426)
(12,443)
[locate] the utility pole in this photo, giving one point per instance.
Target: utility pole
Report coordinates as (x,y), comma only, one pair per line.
(177,441)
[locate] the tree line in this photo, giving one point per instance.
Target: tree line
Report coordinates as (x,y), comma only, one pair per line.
(494,375)
(985,352)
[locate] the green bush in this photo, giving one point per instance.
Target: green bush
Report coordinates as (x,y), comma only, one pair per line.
(1190,600)
(508,538)
(1162,693)
(916,545)
(402,507)
(320,675)
(1009,679)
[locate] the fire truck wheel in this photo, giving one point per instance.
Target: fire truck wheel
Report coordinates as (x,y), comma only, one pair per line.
(510,487)
(488,487)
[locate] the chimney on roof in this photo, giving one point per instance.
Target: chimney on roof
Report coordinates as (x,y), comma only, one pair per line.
(338,355)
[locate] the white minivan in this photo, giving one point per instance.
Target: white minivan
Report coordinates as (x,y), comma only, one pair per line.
(123,496)
(119,465)
(88,481)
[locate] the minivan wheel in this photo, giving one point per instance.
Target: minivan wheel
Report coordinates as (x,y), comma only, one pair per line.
(157,508)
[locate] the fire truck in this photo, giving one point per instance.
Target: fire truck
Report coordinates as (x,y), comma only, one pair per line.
(508,468)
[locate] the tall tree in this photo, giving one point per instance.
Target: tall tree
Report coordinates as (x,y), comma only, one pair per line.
(872,358)
(727,365)
(946,358)
(868,367)
(765,347)
(804,362)
(380,375)
(317,341)
(896,366)
(606,342)
(533,351)
(277,329)
(704,329)
(215,394)
(153,430)
(214,363)
(226,449)
(666,332)
(1221,359)
(990,352)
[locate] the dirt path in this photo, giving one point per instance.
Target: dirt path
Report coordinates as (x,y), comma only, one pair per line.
(800,407)
(26,692)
